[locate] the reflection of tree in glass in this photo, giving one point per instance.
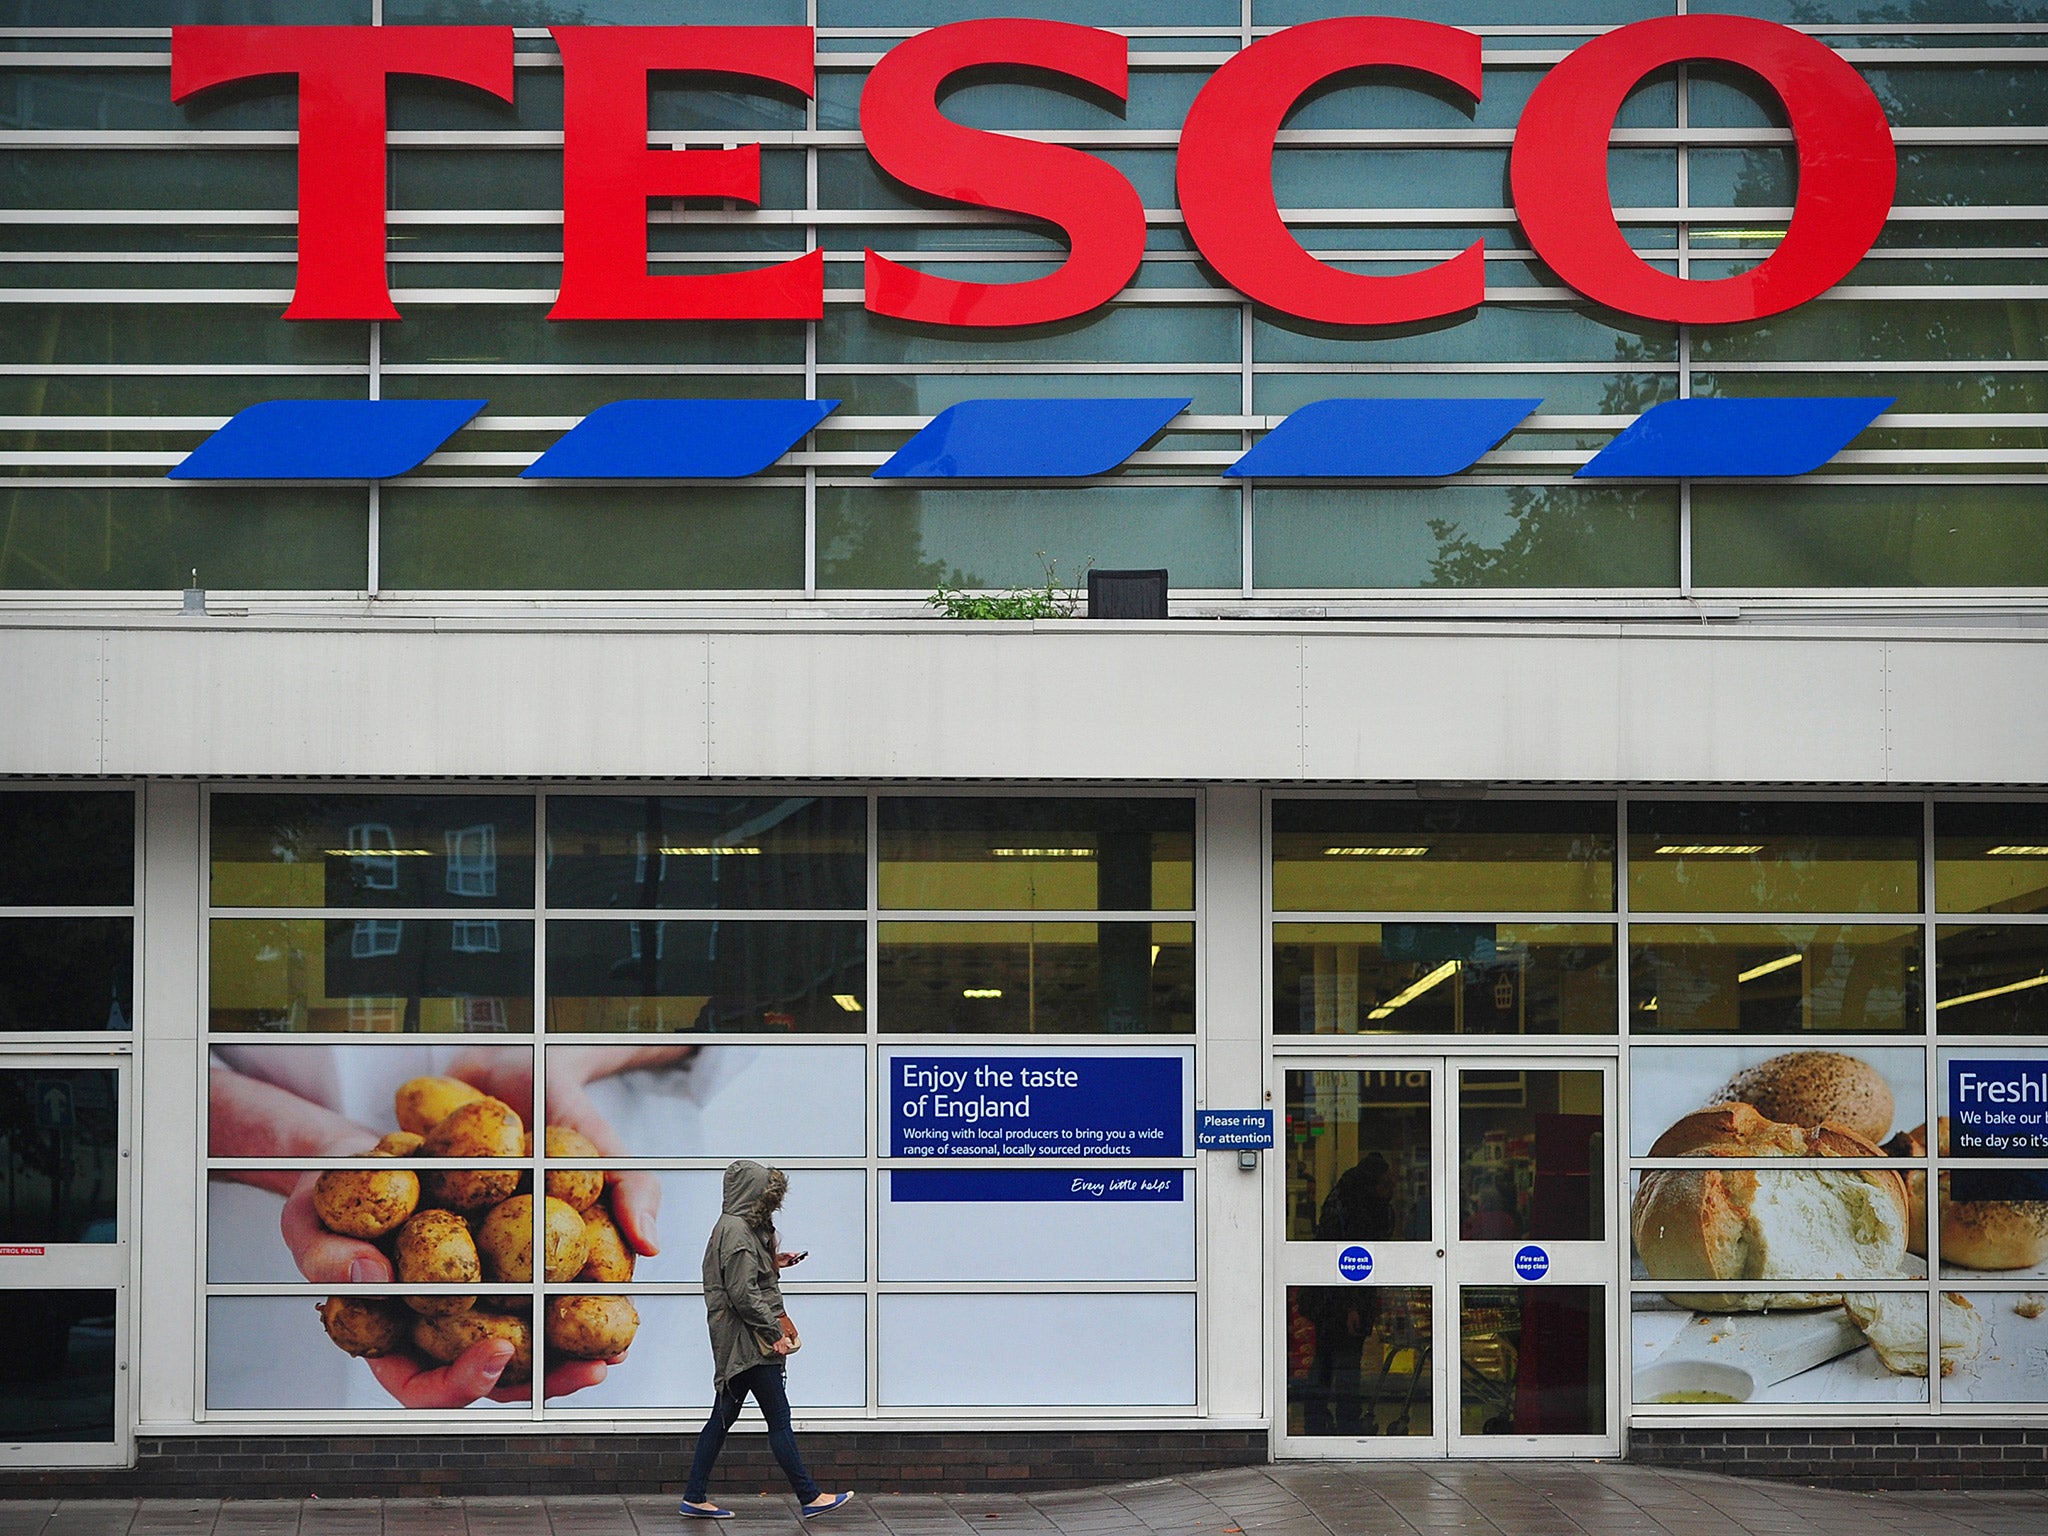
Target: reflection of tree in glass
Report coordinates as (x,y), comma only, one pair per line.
(1566,535)
(1570,535)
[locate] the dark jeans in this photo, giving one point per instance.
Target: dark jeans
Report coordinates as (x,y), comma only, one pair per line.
(765,1381)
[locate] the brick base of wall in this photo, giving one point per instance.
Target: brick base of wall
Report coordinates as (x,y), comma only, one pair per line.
(426,1466)
(1867,1459)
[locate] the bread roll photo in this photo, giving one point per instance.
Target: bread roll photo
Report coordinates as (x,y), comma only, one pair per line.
(1895,1322)
(1815,1088)
(2001,1234)
(1760,1225)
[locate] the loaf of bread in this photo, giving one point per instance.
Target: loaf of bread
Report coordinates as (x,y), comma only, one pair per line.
(1815,1088)
(1895,1322)
(1752,1224)
(1975,1234)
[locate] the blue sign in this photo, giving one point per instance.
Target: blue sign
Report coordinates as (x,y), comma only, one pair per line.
(1218,1130)
(1036,1106)
(1354,1263)
(1532,1263)
(973,1186)
(1997,1108)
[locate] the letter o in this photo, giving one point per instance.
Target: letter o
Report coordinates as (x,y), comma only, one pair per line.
(1848,168)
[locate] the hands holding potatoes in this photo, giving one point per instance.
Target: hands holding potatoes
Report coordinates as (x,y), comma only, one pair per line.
(426,1225)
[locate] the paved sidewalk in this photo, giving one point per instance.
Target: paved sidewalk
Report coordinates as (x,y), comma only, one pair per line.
(1298,1499)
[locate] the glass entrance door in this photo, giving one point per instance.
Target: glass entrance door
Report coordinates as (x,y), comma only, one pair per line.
(1448,1278)
(64,1244)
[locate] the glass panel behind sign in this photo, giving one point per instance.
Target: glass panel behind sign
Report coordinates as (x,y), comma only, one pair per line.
(1532,1360)
(1358,1157)
(61,1135)
(1359,1360)
(1532,1153)
(57,1387)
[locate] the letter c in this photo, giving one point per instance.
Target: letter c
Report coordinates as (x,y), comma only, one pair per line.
(1225,172)
(1848,169)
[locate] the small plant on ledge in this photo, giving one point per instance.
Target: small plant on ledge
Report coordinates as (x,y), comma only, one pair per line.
(1051,601)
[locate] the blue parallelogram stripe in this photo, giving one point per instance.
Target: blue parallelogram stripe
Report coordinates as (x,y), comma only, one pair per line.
(326,440)
(1736,439)
(920,1186)
(1381,439)
(679,439)
(1035,439)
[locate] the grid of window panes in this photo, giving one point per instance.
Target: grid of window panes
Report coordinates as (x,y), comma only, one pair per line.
(1761,965)
(152,251)
(67,911)
(679,979)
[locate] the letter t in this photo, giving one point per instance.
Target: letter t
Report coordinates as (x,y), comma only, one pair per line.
(342,73)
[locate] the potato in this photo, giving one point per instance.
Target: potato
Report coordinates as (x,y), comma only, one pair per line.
(398,1144)
(481,1128)
(364,1202)
(445,1338)
(435,1248)
(610,1260)
(579,1186)
(364,1325)
(425,1102)
(505,1239)
(591,1327)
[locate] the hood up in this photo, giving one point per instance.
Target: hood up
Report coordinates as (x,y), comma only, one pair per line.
(749,1189)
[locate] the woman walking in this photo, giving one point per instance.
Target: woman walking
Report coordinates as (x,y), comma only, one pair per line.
(751,1337)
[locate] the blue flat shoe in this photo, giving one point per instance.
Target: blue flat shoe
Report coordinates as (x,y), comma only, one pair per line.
(692,1512)
(810,1511)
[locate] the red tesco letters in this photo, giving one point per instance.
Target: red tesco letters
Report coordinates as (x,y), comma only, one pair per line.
(1847,167)
(341,72)
(1088,200)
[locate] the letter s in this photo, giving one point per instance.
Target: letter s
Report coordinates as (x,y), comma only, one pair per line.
(1090,201)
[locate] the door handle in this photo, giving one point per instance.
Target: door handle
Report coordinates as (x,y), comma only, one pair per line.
(1439,1253)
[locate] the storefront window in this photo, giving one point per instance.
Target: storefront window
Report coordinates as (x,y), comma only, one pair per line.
(1774,977)
(372,851)
(67,971)
(769,975)
(1991,857)
(1038,978)
(331,1161)
(703,851)
(1763,856)
(1443,856)
(969,853)
(1443,978)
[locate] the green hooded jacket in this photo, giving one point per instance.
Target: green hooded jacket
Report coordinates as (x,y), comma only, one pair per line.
(742,1291)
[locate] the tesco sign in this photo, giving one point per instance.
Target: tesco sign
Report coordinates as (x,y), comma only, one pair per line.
(1847,168)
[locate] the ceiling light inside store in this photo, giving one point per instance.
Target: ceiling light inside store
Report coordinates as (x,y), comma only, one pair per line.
(1374,853)
(1978,997)
(1408,995)
(379,853)
(2017,850)
(708,850)
(1769,966)
(1041,853)
(1682,848)
(982,992)
(847,1001)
